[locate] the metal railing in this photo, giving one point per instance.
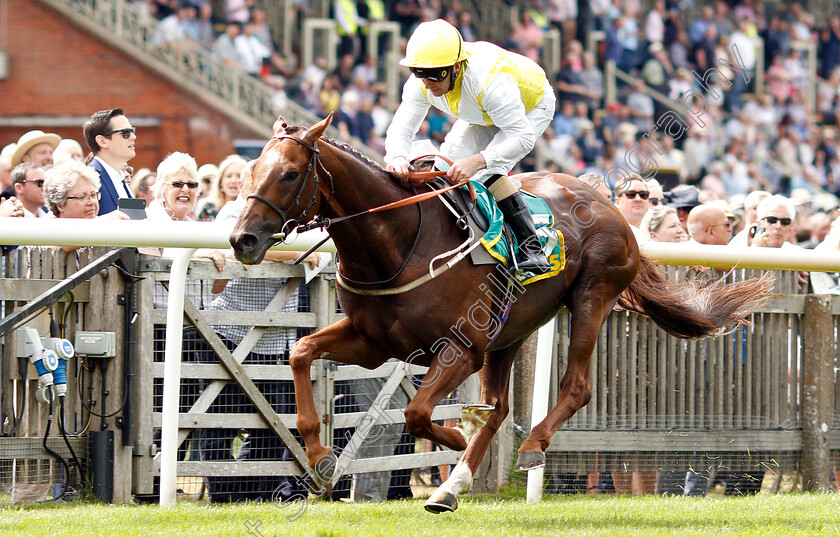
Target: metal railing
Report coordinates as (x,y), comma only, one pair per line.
(191,67)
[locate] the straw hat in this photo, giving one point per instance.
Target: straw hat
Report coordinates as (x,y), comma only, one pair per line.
(30,140)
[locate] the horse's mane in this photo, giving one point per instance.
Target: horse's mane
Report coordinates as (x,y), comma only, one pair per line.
(347,148)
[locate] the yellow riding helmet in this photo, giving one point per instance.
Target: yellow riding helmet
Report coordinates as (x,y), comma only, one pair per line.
(434,44)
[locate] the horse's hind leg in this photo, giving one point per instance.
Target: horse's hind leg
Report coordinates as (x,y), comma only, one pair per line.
(339,342)
(495,378)
(575,389)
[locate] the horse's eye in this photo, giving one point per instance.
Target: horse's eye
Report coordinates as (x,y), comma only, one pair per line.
(292,176)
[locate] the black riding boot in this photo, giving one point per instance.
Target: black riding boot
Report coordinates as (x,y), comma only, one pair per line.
(531,257)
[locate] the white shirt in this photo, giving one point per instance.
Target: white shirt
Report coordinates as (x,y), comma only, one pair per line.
(483,95)
(251,53)
(640,238)
(116,179)
(230,211)
(745,46)
(170,29)
(40,213)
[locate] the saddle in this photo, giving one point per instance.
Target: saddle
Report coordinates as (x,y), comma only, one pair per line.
(467,211)
(480,215)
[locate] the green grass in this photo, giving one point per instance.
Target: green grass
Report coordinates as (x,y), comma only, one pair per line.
(777,515)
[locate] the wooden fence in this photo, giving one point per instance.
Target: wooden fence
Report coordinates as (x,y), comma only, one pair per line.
(734,403)
(26,469)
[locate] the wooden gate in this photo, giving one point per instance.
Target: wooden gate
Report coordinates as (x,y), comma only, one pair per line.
(378,397)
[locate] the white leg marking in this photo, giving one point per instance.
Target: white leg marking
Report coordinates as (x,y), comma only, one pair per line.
(460,480)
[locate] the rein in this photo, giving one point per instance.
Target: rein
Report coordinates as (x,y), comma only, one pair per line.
(325,223)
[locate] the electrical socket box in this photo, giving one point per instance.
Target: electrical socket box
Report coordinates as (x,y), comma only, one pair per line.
(28,342)
(96,344)
(62,347)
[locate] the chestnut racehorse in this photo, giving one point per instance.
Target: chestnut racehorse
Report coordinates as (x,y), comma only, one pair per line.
(445,323)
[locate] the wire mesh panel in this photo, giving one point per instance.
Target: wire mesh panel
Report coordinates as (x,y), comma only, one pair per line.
(44,447)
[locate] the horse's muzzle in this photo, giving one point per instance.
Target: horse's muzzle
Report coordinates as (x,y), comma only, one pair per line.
(247,247)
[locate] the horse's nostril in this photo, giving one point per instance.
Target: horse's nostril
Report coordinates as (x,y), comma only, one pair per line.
(245,242)
(249,241)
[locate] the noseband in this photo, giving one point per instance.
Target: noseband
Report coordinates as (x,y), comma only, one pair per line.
(314,162)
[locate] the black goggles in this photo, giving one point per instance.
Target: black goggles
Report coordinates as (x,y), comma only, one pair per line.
(435,74)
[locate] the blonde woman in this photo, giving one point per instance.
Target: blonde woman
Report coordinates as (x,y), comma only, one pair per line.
(225,188)
(175,191)
(661,224)
(176,188)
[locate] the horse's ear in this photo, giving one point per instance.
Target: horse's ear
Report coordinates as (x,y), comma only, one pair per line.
(279,125)
(318,129)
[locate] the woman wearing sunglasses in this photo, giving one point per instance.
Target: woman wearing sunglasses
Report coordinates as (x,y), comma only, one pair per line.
(503,103)
(175,191)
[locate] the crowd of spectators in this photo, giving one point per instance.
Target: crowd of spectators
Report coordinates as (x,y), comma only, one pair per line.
(748,138)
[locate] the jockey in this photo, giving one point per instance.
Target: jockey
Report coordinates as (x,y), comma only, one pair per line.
(503,103)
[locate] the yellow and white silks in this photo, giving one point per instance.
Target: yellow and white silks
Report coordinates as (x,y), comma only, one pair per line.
(502,101)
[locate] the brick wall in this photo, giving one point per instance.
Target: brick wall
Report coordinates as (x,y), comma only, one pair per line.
(57,69)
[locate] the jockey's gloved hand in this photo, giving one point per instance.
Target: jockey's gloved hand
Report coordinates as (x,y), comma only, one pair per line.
(400,167)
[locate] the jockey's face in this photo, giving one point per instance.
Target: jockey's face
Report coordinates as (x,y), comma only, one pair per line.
(438,88)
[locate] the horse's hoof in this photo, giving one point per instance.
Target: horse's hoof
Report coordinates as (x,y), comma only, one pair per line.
(441,502)
(324,469)
(473,418)
(478,411)
(529,460)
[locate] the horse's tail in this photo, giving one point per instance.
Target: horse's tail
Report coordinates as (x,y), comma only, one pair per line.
(686,309)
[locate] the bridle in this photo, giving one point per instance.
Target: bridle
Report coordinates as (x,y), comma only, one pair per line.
(311,169)
(294,224)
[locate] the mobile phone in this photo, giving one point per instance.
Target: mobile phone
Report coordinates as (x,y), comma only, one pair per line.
(135,208)
(759,229)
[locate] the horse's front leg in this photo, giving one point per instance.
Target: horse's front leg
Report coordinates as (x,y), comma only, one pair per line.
(342,343)
(445,374)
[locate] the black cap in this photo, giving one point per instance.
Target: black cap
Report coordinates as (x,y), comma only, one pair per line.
(683,197)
